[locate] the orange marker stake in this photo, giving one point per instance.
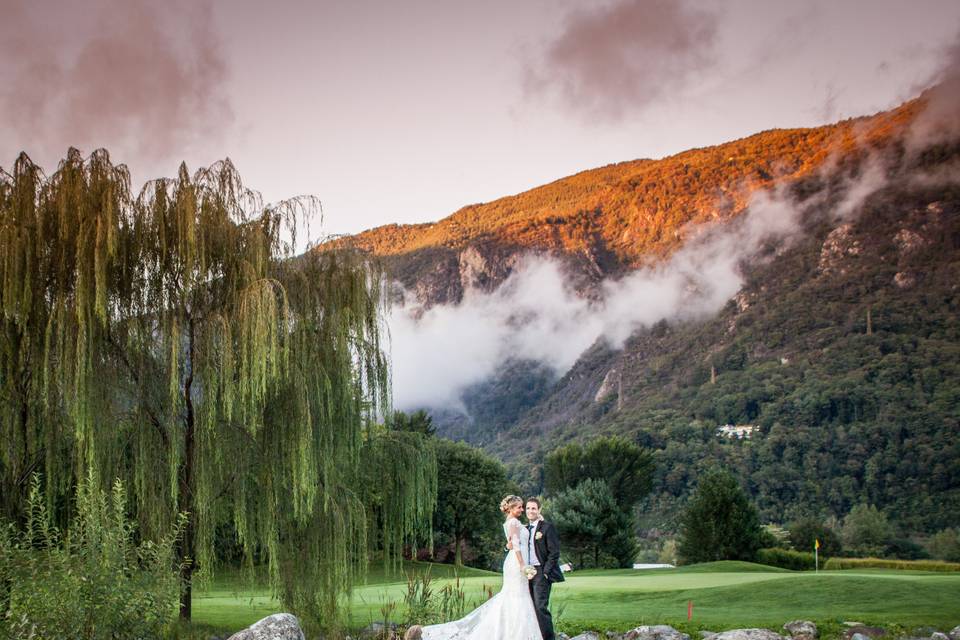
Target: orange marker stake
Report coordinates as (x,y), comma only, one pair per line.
(690,610)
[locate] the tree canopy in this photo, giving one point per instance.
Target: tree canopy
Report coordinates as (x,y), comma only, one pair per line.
(719,523)
(593,527)
(470,484)
(624,467)
(170,339)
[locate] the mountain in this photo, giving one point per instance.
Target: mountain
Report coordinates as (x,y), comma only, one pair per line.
(607,221)
(841,351)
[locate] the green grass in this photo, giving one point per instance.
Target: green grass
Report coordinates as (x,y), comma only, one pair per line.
(725,595)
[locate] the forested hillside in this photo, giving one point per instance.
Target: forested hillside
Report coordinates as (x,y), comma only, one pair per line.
(843,351)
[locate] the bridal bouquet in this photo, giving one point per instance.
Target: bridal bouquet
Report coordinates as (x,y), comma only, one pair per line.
(530,571)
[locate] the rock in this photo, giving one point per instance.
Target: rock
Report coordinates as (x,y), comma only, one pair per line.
(859,636)
(707,634)
(802,629)
(377,630)
(904,280)
(413,633)
(939,635)
(868,633)
(748,634)
(586,635)
(610,385)
(655,632)
(279,626)
(955,633)
(839,244)
(562,636)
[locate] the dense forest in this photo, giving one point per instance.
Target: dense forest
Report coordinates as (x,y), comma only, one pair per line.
(842,351)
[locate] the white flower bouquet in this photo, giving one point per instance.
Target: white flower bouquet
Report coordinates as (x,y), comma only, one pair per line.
(530,571)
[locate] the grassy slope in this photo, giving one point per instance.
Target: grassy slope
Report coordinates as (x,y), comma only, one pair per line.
(725,595)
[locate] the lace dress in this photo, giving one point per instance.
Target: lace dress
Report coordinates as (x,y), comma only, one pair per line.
(509,615)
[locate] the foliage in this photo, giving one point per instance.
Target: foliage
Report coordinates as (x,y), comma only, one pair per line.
(626,468)
(399,489)
(905,549)
(719,522)
(469,486)
(417,422)
(866,531)
(170,339)
(426,605)
(788,559)
(845,416)
(668,552)
(886,563)
(592,526)
(805,531)
(100,580)
(945,545)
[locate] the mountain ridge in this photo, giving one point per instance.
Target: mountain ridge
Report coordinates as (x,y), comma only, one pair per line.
(610,220)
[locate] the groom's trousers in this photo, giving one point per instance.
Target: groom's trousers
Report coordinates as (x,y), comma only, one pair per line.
(540,592)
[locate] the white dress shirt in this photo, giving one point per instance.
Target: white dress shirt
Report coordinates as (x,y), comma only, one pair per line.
(531,549)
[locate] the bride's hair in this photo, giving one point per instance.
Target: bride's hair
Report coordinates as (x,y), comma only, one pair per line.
(509,501)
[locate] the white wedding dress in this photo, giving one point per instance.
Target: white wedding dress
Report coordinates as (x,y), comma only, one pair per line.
(509,615)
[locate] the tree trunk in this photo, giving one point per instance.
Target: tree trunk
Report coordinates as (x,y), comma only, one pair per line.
(186,552)
(458,552)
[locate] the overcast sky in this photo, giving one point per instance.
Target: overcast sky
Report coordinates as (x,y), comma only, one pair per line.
(406,111)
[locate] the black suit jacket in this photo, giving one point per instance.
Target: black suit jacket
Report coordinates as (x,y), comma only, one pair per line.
(547,548)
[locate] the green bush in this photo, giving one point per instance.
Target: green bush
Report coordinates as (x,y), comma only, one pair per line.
(787,559)
(880,563)
(945,545)
(94,582)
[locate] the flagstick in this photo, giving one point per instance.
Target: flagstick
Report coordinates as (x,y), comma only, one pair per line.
(816,558)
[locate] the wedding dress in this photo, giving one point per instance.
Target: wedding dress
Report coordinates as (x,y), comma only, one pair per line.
(509,615)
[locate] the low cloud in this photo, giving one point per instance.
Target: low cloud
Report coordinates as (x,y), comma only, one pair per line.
(440,352)
(613,60)
(143,79)
(940,120)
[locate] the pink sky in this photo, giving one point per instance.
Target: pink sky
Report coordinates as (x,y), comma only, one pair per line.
(404,112)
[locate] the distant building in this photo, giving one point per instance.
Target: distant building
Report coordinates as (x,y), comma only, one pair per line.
(738,431)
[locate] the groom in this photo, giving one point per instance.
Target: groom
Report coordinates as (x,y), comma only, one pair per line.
(544,554)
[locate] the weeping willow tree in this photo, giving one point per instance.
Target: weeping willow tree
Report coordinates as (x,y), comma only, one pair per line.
(172,340)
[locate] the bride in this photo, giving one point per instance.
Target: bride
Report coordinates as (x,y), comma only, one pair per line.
(509,615)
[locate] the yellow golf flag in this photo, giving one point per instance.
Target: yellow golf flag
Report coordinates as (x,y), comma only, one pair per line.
(816,543)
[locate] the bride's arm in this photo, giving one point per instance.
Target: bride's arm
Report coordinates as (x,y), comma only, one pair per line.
(514,530)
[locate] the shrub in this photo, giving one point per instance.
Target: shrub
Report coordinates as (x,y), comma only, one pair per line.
(866,531)
(882,563)
(96,582)
(906,549)
(787,559)
(424,605)
(806,531)
(945,545)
